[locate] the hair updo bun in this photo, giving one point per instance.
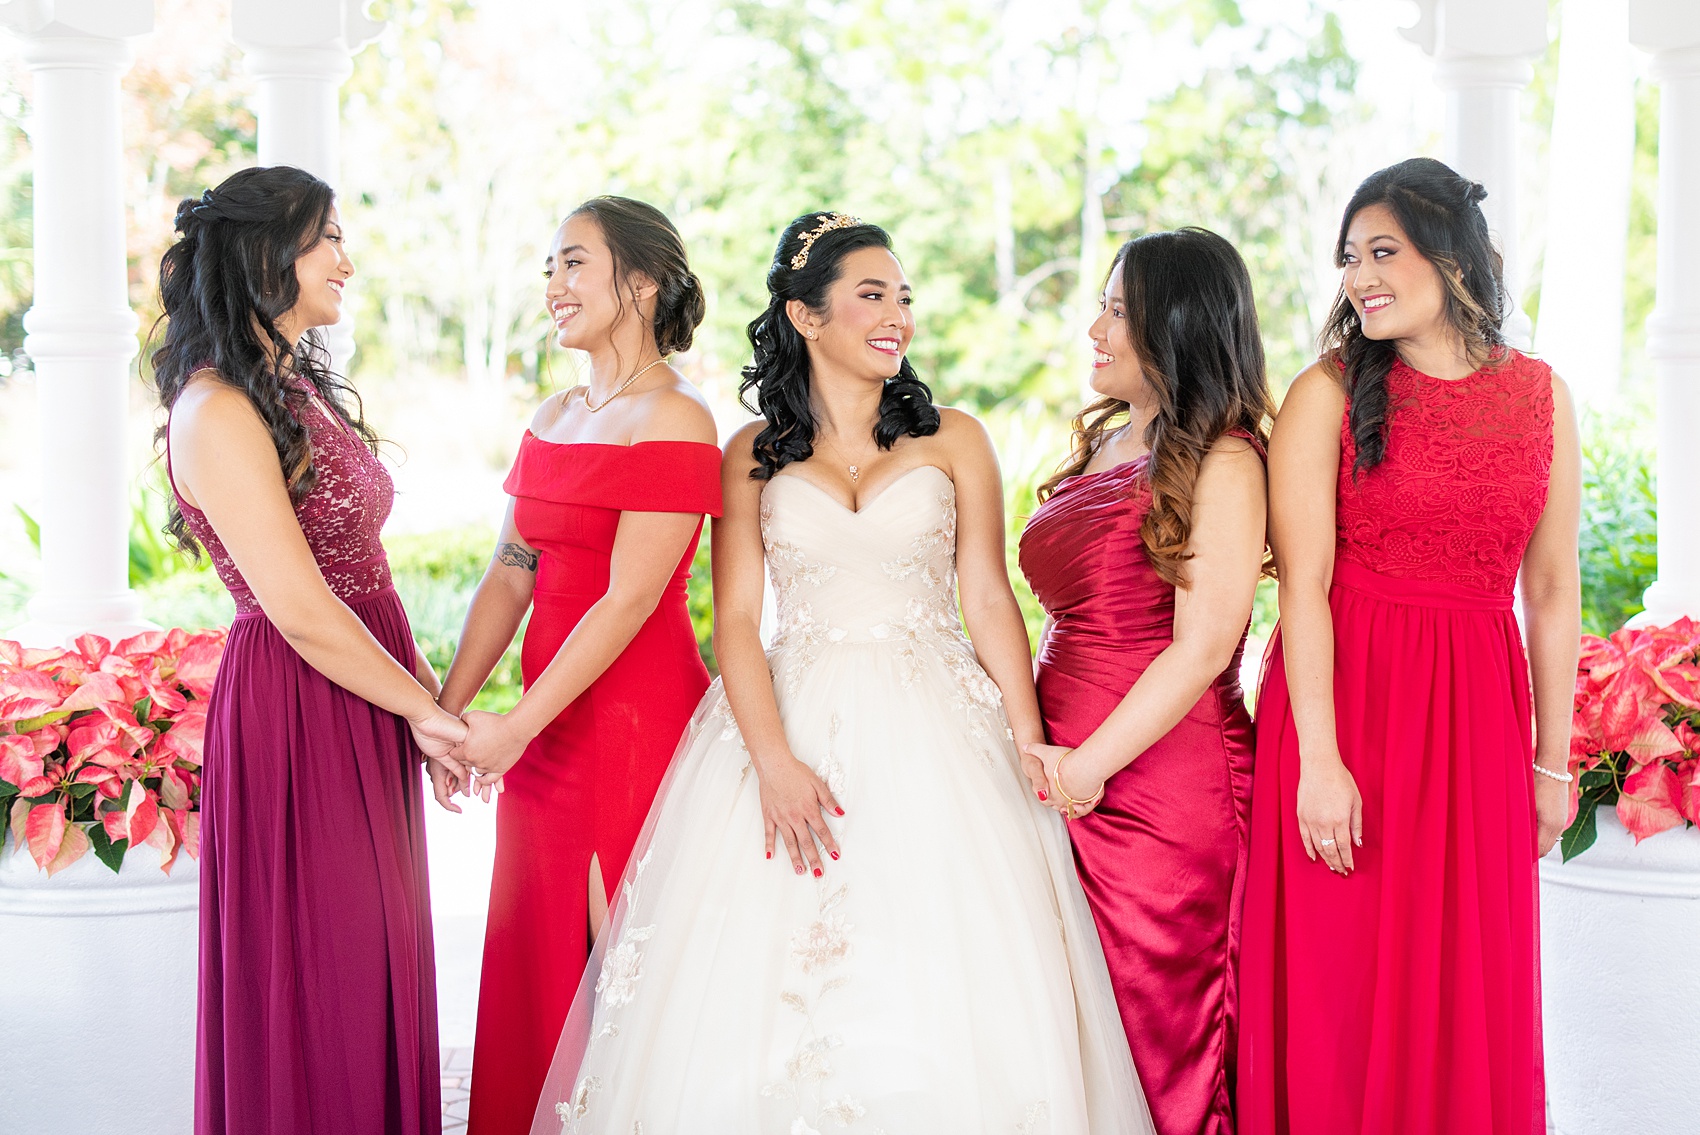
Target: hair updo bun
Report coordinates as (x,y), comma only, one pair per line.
(644,242)
(807,262)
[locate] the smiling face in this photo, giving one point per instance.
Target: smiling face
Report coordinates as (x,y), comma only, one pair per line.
(1395,289)
(1116,372)
(868,320)
(320,274)
(582,291)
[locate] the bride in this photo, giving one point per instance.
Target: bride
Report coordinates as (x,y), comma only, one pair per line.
(850,908)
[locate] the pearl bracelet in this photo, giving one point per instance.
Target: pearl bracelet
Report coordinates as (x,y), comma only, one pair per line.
(1561,777)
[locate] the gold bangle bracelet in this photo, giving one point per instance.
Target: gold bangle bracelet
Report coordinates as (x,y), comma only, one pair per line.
(1063,792)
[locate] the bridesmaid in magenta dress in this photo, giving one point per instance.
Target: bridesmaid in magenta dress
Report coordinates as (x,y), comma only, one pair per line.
(317,988)
(1146,554)
(1390,977)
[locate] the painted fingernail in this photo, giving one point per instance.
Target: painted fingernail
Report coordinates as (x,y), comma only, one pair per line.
(799,868)
(770,855)
(834,854)
(817,872)
(1042,795)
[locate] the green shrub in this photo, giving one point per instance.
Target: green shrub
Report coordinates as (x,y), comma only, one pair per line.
(1619,547)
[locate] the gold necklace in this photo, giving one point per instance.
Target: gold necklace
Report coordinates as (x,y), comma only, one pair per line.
(855,470)
(620,389)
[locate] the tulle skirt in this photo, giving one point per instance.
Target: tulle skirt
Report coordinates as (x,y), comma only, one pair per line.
(943,976)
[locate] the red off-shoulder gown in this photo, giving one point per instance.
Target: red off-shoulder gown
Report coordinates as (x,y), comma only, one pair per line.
(586,782)
(1162,858)
(1405,998)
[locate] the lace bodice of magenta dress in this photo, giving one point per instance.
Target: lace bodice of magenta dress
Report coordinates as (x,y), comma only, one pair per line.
(1464,480)
(1421,1014)
(341,517)
(317,997)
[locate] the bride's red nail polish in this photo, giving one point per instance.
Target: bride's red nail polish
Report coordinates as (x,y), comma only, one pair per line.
(840,811)
(834,854)
(817,872)
(770,855)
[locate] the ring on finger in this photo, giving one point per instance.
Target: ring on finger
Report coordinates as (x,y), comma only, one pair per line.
(1325,843)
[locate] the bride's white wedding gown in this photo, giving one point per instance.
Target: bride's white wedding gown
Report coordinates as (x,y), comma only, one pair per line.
(943,977)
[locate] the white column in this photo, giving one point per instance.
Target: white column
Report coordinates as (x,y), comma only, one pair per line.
(1592,158)
(82,332)
(1484,52)
(300,54)
(1670,29)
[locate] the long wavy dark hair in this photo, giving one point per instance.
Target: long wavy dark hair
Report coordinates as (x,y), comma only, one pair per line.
(1441,213)
(222,289)
(1192,320)
(779,372)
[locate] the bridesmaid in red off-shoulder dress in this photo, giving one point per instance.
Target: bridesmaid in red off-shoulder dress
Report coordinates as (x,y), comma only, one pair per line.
(1146,554)
(608,496)
(1390,978)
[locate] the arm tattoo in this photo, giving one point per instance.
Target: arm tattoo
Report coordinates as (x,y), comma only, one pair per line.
(517,555)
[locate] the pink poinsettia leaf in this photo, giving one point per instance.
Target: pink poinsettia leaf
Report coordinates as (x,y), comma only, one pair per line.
(19,762)
(143,812)
(97,691)
(165,841)
(37,787)
(1680,683)
(191,825)
(26,694)
(92,647)
(72,847)
(11,652)
(197,667)
(117,825)
(173,790)
(1651,800)
(148,642)
(1651,740)
(44,831)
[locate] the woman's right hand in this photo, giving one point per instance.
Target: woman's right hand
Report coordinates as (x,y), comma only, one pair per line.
(439,733)
(793,805)
(1330,812)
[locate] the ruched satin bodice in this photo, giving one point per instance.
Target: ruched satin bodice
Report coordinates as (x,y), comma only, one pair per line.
(1084,558)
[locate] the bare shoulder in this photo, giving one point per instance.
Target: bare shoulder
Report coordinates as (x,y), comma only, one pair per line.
(962,434)
(676,412)
(552,407)
(1562,400)
(209,405)
(740,448)
(1318,384)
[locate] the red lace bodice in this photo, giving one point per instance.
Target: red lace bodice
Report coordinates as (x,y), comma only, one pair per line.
(341,517)
(1464,480)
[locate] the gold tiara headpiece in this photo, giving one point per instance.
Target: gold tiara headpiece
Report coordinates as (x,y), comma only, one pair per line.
(828,222)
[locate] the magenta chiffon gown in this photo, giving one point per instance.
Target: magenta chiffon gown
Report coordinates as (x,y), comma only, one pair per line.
(1162,858)
(318,1007)
(1404,999)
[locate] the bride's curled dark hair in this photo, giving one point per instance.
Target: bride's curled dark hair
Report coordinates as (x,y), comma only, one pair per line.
(779,372)
(222,288)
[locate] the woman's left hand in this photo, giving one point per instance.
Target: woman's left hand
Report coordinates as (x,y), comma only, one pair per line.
(1552,812)
(492,746)
(1051,756)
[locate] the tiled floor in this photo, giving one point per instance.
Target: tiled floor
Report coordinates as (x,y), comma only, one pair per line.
(457,1089)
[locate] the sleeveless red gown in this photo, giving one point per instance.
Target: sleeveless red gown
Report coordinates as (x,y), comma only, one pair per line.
(318,1002)
(1162,858)
(586,782)
(1405,999)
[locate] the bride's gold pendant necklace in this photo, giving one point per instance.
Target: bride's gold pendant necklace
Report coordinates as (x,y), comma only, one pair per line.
(623,387)
(855,470)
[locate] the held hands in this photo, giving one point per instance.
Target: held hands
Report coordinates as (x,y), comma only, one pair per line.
(1330,813)
(1054,792)
(794,803)
(493,745)
(439,735)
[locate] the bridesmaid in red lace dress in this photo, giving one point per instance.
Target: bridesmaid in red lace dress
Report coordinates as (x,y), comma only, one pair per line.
(608,496)
(317,987)
(1146,553)
(1390,981)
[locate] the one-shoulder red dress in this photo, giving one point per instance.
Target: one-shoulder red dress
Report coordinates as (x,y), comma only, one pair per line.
(586,782)
(1404,999)
(1162,858)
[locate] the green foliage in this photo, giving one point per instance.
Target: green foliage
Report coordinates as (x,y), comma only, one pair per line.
(436,574)
(1619,543)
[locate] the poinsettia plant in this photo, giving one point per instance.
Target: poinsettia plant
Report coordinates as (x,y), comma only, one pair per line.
(100,746)
(1635,739)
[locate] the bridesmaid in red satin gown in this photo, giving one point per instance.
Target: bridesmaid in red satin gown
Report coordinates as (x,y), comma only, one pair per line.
(1138,678)
(608,496)
(1390,980)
